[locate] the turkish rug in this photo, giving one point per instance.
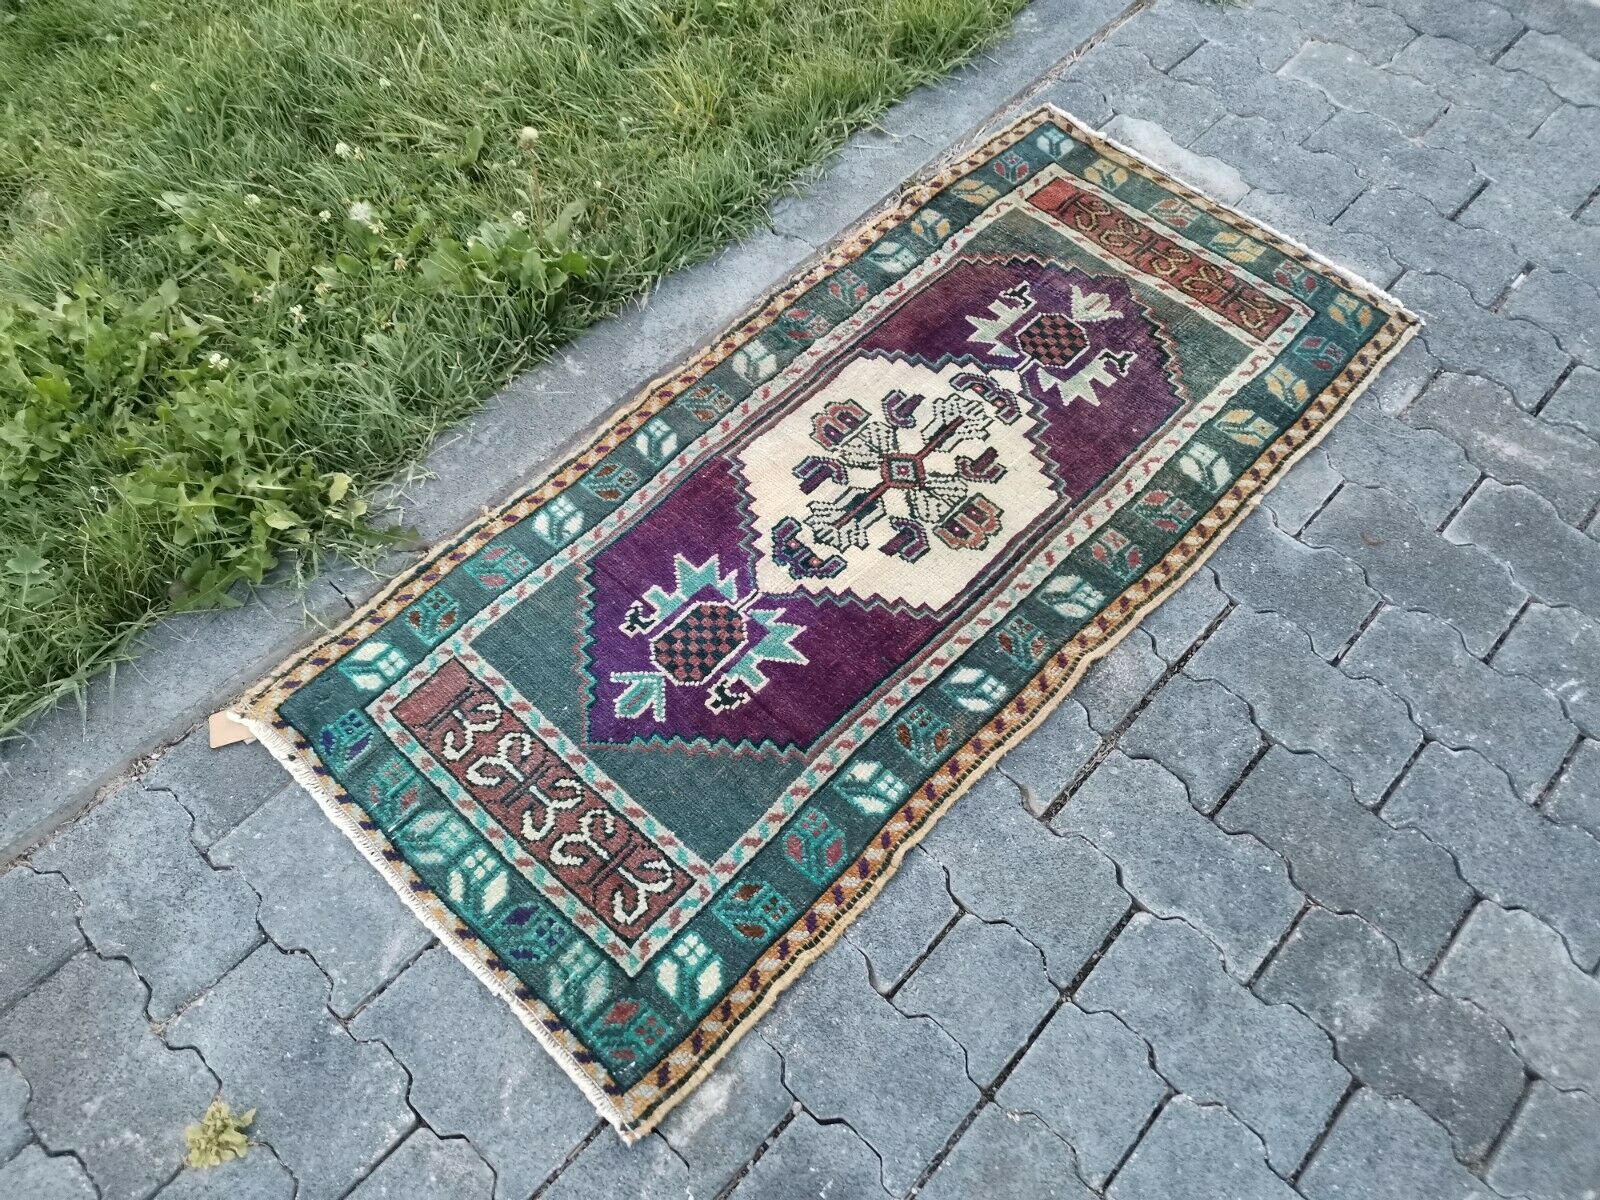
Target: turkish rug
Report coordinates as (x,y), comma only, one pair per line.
(638,745)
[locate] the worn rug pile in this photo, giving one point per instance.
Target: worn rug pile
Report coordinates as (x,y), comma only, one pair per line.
(640,744)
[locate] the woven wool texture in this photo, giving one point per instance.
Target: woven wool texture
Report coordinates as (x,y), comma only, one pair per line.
(640,744)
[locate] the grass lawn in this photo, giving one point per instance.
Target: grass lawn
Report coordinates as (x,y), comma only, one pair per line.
(254,255)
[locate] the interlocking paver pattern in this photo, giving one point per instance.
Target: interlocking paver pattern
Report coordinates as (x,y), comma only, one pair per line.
(1294,897)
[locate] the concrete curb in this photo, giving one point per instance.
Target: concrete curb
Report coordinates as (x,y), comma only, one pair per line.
(192,665)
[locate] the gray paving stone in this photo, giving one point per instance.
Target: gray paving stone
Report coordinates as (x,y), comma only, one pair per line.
(1576,402)
(1178,864)
(1565,306)
(1323,593)
(1199,731)
(1168,27)
(1484,26)
(899,1082)
(319,895)
(1323,182)
(1389,158)
(1463,76)
(903,921)
(1551,1152)
(810,1161)
(1417,568)
(1299,700)
(498,1088)
(1114,685)
(1210,175)
(1373,31)
(1575,800)
(1350,81)
(1463,337)
(1508,851)
(1420,466)
(266,1031)
(1578,23)
(1481,261)
(104,1088)
(1111,1094)
(1084,99)
(607,1168)
(36,1176)
(38,929)
(1184,616)
(1134,88)
(1007,1154)
(1386,1148)
(1561,465)
(719,1125)
(1400,382)
(1050,757)
(1347,859)
(14,1130)
(1164,33)
(1555,170)
(1235,74)
(1198,1152)
(958,982)
(220,788)
(1214,1039)
(256,1176)
(1547,556)
(428,1165)
(1058,892)
(1357,253)
(1563,67)
(149,896)
(1559,649)
(1569,142)
(1393,1032)
(1544,235)
(1516,968)
(1511,721)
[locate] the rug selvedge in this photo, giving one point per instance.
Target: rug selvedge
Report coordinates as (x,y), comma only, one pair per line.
(649,612)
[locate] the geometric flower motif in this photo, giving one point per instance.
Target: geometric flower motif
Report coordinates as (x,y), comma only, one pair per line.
(372,665)
(1294,278)
(1107,174)
(871,787)
(850,288)
(478,879)
(344,740)
(1012,166)
(975,191)
(1072,597)
(656,442)
(626,1032)
(1022,641)
(433,616)
(753,362)
(705,402)
(895,257)
(497,566)
(1205,466)
(1322,353)
(1238,247)
(610,481)
(1351,313)
(814,846)
(755,911)
(1288,387)
(578,980)
(923,734)
(1245,427)
(690,973)
(1114,551)
(1162,509)
(1179,214)
(393,793)
(1051,140)
(559,521)
(530,933)
(974,689)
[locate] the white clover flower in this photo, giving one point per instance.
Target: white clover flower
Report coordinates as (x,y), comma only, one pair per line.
(157,337)
(400,263)
(298,313)
(343,150)
(324,216)
(218,362)
(322,287)
(527,137)
(253,200)
(361,213)
(520,218)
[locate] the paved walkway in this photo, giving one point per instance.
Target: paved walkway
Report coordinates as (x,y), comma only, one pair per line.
(1334,938)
